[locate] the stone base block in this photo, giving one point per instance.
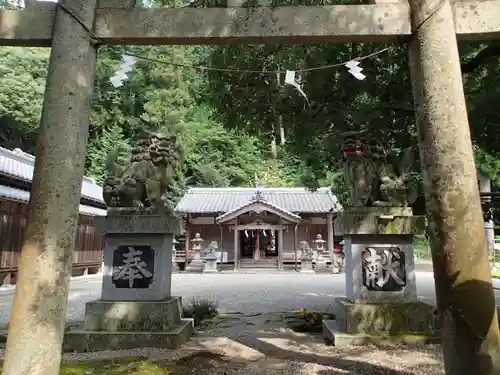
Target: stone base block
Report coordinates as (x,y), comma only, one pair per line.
(210,265)
(334,336)
(321,267)
(306,265)
(137,267)
(196,266)
(119,316)
(388,318)
(307,271)
(86,341)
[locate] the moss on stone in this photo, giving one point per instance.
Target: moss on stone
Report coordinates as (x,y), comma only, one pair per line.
(118,366)
(388,318)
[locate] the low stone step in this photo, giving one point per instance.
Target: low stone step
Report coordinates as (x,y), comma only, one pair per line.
(258,264)
(83,340)
(266,271)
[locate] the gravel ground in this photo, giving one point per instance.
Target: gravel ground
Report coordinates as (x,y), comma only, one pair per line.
(243,292)
(253,339)
(261,344)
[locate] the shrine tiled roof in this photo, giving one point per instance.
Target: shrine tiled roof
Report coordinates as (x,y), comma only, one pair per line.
(19,195)
(20,166)
(221,200)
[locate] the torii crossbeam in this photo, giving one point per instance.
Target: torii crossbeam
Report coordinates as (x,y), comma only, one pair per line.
(475,20)
(75,28)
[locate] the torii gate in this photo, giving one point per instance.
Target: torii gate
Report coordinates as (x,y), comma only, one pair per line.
(75,28)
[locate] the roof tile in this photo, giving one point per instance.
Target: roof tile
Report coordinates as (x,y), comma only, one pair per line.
(24,196)
(20,165)
(221,200)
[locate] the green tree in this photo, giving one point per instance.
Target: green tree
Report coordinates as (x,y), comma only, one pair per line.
(22,84)
(110,142)
(337,102)
(218,157)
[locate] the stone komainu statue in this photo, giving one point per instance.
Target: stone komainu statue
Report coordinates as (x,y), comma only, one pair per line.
(145,181)
(396,186)
(212,248)
(380,179)
(305,249)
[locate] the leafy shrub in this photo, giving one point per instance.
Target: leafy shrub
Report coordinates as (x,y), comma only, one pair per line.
(200,309)
(307,321)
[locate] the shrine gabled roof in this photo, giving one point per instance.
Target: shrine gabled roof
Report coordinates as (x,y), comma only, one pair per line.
(258,202)
(20,166)
(222,200)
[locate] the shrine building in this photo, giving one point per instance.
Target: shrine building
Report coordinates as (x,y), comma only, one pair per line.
(16,174)
(258,227)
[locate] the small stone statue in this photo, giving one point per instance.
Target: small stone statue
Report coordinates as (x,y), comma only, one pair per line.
(306,259)
(305,249)
(145,181)
(212,247)
(211,258)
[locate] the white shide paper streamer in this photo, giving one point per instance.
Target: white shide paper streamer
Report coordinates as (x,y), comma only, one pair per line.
(126,66)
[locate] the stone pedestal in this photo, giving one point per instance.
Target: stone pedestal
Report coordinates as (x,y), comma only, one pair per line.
(136,308)
(306,264)
(380,268)
(321,266)
(196,266)
(380,275)
(210,264)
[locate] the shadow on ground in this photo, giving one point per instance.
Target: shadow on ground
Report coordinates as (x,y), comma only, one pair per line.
(265,344)
(257,344)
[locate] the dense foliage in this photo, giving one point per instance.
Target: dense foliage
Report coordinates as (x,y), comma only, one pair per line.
(239,127)
(160,97)
(337,102)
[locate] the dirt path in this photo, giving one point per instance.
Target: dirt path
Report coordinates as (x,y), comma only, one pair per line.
(261,344)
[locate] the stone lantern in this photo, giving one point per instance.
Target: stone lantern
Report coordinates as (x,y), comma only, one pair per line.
(319,242)
(323,255)
(196,265)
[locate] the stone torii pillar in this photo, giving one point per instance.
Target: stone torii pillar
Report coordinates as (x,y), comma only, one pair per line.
(445,145)
(38,316)
(464,291)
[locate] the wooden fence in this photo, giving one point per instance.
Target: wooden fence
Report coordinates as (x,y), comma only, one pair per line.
(87,257)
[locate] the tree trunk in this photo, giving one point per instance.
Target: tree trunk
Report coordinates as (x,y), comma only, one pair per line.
(38,315)
(466,302)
